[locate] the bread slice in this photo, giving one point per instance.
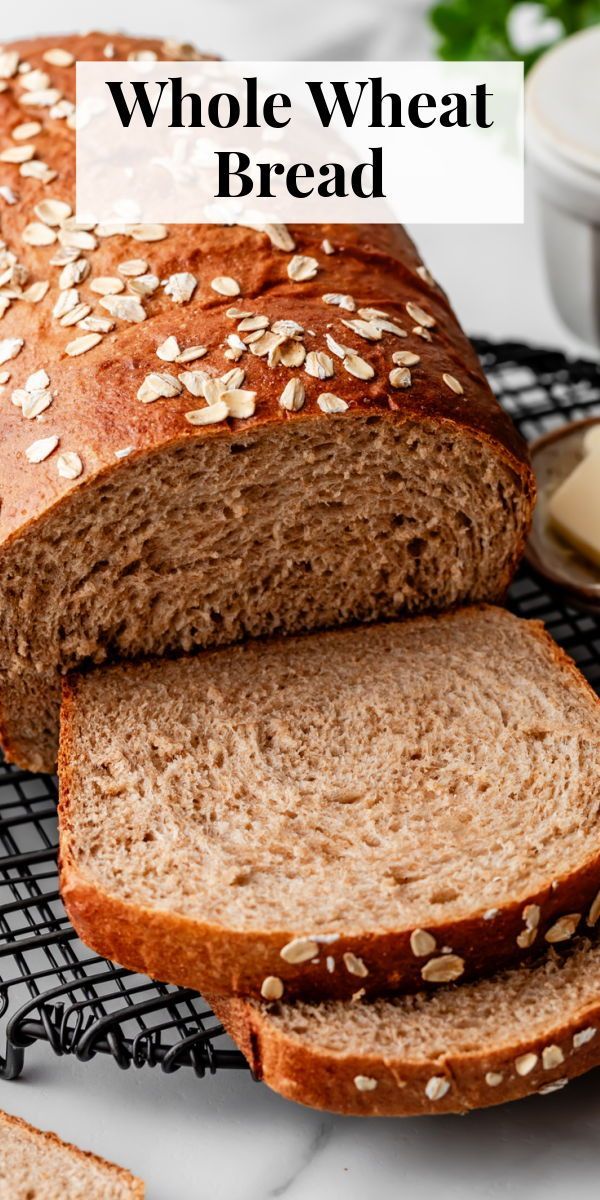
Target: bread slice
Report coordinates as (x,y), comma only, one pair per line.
(520,1032)
(368,809)
(34,1163)
(158,534)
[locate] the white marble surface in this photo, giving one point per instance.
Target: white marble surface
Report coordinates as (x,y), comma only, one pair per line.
(227,1138)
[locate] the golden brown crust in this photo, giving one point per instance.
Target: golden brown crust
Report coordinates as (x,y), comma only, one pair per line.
(326,1080)
(211,958)
(95,411)
(137,1186)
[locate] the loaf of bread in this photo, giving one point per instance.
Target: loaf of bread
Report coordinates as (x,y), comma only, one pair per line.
(36,1164)
(520,1033)
(362,810)
(214,432)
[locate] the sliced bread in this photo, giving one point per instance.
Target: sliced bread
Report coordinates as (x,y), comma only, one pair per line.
(522,1031)
(35,1165)
(372,809)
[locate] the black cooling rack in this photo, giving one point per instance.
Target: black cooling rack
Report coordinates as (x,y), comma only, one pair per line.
(54,990)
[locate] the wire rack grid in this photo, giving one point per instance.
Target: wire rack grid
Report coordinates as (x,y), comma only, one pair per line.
(54,990)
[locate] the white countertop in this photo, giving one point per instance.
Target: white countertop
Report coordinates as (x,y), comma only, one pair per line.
(227,1138)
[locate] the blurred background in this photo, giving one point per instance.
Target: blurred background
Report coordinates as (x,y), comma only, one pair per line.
(494,274)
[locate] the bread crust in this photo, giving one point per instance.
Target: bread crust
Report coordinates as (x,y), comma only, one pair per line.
(326,1080)
(377,264)
(181,950)
(137,1186)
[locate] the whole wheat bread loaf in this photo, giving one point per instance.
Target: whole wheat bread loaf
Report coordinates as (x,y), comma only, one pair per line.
(467,1046)
(358,466)
(376,808)
(36,1165)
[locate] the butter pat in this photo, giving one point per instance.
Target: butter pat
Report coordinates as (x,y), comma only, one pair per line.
(575,507)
